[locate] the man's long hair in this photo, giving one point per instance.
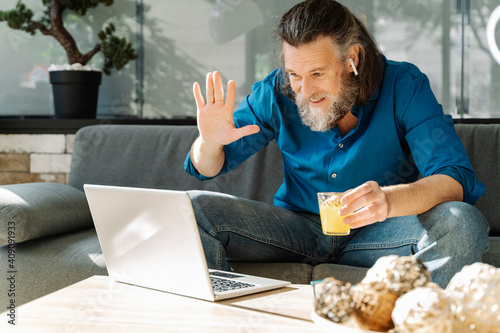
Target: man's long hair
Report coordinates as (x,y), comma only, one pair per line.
(310,19)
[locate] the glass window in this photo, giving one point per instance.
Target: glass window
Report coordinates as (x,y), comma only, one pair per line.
(25,89)
(484,71)
(178,42)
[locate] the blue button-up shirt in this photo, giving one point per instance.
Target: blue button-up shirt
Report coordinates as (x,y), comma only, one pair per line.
(401,133)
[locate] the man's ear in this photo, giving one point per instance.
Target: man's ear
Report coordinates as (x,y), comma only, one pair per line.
(354,55)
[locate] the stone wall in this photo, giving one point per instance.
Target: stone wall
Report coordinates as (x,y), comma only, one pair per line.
(26,158)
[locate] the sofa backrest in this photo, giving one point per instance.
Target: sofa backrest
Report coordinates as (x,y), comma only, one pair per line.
(153,157)
(482,143)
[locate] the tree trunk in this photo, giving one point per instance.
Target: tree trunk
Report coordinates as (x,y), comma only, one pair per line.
(59,32)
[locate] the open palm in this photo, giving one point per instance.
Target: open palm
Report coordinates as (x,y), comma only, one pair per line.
(215,117)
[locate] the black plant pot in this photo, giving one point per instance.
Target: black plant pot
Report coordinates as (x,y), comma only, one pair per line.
(75,93)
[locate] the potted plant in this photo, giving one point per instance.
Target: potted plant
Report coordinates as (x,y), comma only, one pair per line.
(75,85)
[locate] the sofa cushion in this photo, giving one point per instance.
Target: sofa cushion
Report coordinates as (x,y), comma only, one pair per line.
(345,273)
(152,156)
(482,143)
(32,210)
(492,256)
(47,264)
(294,272)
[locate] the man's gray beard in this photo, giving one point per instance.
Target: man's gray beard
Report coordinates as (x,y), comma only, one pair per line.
(322,120)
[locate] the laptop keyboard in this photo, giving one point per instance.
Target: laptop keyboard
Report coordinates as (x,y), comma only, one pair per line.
(221,285)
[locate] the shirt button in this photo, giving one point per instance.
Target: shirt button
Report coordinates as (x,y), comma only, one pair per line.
(334,175)
(341,145)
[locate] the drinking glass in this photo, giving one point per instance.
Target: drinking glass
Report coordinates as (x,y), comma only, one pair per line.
(331,222)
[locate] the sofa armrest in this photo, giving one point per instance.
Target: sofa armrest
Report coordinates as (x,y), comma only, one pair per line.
(33,210)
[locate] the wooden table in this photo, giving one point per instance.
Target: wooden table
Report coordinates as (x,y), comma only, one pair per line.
(100,305)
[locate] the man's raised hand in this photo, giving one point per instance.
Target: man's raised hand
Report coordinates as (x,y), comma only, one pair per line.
(215,117)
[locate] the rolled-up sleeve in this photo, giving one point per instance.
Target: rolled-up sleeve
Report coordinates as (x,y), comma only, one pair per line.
(433,141)
(189,168)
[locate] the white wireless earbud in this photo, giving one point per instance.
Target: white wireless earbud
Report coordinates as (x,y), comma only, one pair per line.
(353,67)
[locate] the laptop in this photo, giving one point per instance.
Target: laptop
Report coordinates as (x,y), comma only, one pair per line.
(150,238)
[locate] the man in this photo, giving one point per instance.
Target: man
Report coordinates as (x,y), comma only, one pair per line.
(346,119)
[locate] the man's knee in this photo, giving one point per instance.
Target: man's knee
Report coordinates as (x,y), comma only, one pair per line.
(457,211)
(461,219)
(199,196)
(209,201)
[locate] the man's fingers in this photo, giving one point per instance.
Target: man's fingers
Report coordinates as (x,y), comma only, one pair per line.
(198,97)
(367,215)
(210,88)
(215,90)
(356,193)
(244,131)
(218,88)
(359,197)
(231,93)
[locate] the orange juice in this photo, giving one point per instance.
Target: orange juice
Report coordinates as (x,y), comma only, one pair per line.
(331,222)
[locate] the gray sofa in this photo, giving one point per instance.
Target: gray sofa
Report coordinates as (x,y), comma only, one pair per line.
(47,232)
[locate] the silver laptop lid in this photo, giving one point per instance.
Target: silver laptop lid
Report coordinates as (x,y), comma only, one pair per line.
(150,238)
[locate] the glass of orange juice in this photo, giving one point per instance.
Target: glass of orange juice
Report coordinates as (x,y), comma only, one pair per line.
(331,222)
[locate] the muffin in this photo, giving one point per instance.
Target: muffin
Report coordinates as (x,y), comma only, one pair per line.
(400,274)
(475,298)
(373,305)
(333,300)
(423,310)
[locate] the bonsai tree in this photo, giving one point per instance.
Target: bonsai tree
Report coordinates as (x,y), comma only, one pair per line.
(117,51)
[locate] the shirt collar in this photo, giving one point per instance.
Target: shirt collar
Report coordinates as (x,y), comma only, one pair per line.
(364,113)
(375,96)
